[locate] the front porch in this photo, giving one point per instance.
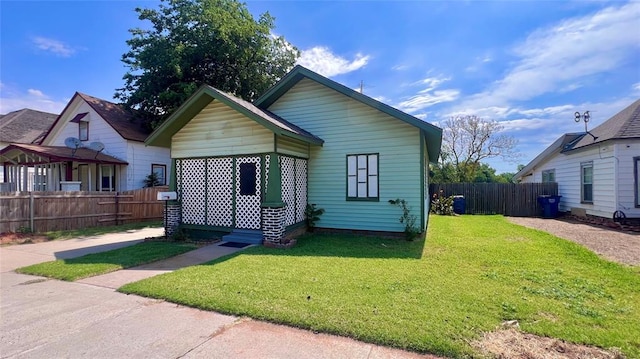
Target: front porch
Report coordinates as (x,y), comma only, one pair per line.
(261,193)
(50,168)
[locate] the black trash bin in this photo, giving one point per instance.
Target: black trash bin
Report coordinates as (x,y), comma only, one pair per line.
(459,205)
(549,206)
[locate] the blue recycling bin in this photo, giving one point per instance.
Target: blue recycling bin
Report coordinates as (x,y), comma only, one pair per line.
(549,206)
(459,205)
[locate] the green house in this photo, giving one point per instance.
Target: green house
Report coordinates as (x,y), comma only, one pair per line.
(250,169)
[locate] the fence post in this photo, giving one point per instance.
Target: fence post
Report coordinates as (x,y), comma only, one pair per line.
(117,208)
(31,211)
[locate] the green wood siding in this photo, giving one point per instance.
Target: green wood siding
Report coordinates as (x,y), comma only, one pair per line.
(291,146)
(350,127)
(219,130)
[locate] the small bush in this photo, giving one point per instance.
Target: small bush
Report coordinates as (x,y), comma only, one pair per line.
(180,235)
(409,220)
(312,215)
(441,204)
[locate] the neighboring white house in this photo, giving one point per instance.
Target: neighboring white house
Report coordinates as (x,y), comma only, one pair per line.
(92,124)
(598,173)
(24,126)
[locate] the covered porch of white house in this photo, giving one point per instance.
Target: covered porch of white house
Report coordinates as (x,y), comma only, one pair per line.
(51,168)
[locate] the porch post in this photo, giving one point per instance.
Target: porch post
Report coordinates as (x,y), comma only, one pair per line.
(273,209)
(172,208)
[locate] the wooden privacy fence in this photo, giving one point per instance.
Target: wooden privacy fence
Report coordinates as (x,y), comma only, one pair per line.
(509,199)
(54,211)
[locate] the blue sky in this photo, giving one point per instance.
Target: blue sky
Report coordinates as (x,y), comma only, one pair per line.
(529,65)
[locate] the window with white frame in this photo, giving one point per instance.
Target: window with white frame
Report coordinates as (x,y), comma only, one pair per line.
(161,173)
(586,182)
(83,130)
(549,175)
(107,178)
(636,175)
(362,177)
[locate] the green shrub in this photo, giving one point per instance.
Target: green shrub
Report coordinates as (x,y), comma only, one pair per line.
(441,204)
(411,230)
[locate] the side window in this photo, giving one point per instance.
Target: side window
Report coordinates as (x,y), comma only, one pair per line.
(83,132)
(362,177)
(247,179)
(107,178)
(160,171)
(636,175)
(586,181)
(549,175)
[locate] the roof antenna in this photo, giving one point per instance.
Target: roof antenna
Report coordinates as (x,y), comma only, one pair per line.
(584,117)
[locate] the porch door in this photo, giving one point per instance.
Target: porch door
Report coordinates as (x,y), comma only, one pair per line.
(248,192)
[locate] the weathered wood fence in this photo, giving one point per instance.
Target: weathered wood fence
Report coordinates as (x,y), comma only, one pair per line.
(517,200)
(53,211)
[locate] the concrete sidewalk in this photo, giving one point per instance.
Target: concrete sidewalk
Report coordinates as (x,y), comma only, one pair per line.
(16,256)
(88,319)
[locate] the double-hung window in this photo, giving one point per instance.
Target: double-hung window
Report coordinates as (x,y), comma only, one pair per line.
(549,176)
(586,182)
(636,175)
(160,171)
(83,130)
(362,177)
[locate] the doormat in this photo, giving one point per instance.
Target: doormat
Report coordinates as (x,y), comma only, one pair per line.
(234,244)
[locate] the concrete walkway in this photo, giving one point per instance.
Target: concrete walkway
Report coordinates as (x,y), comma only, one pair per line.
(117,279)
(88,319)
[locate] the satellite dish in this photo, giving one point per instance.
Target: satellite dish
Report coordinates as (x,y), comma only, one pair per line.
(96,146)
(73,143)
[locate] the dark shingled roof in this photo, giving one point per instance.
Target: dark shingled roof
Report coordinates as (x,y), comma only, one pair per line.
(123,121)
(624,125)
(61,154)
(25,126)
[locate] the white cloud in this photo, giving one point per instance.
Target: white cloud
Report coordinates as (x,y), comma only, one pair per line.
(55,46)
(34,99)
(400,67)
(429,95)
(556,58)
(321,60)
(427,98)
(635,87)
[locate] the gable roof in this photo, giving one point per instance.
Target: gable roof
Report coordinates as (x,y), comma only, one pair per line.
(121,120)
(432,133)
(25,126)
(623,125)
(203,96)
(59,154)
(556,147)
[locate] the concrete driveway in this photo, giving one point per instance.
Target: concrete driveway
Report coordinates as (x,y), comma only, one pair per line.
(49,318)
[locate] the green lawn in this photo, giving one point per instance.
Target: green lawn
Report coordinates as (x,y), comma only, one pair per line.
(472,273)
(100,263)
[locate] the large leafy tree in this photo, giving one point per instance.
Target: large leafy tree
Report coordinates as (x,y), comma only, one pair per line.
(194,42)
(468,140)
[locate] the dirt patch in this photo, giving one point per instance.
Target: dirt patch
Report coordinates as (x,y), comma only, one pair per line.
(513,344)
(21,238)
(614,245)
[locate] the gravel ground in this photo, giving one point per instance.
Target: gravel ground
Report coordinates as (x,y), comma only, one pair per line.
(613,245)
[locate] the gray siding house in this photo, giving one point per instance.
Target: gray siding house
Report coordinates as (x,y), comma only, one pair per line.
(598,174)
(253,167)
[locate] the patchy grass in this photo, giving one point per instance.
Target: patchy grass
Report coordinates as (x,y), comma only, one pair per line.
(473,273)
(94,231)
(100,263)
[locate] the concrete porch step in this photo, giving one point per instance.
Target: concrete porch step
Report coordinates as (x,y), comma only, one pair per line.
(250,236)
